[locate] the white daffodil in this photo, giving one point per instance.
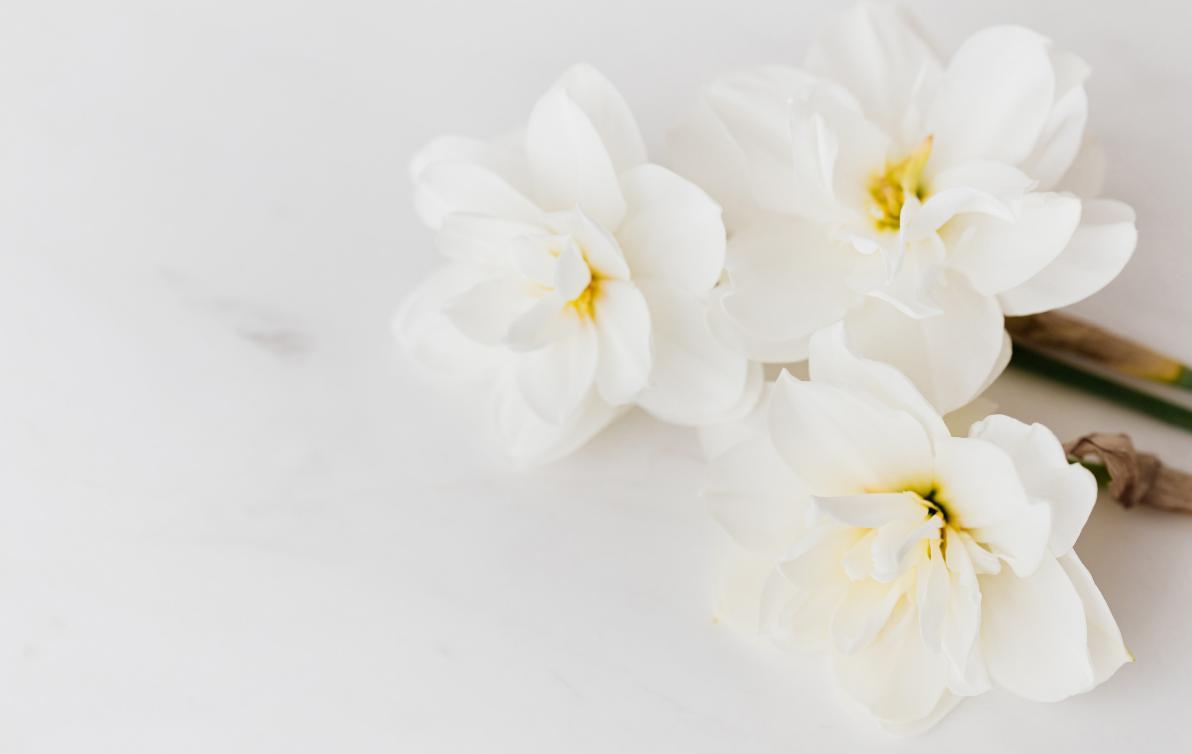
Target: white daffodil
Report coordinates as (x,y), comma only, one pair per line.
(929,567)
(914,200)
(578,276)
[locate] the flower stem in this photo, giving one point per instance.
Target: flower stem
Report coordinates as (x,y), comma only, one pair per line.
(1038,363)
(1057,331)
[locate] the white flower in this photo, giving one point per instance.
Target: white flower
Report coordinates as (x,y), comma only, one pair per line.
(929,567)
(578,277)
(915,201)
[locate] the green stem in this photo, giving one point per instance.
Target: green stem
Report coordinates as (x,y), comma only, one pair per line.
(1037,363)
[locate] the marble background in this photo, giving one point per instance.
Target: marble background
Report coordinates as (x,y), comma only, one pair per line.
(234,519)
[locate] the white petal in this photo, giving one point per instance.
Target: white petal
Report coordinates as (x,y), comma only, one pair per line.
(815,562)
(608,112)
(702,150)
(547,320)
(997,255)
(987,188)
(1097,252)
(623,328)
(756,498)
(483,240)
(555,379)
(486,311)
(572,275)
(426,332)
(863,613)
(871,510)
(444,188)
(840,444)
(895,678)
(949,357)
(834,363)
(672,230)
(875,52)
(994,98)
(755,108)
(569,162)
(788,279)
(1107,651)
(932,593)
(1068,489)
(1063,133)
(799,618)
(1034,635)
(599,247)
(528,440)
(696,379)
(899,545)
(978,486)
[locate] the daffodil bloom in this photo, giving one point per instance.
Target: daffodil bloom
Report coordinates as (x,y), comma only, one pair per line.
(578,277)
(929,567)
(915,200)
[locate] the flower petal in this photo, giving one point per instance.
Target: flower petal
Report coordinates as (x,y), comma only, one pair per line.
(755,108)
(1033,633)
(528,440)
(1063,133)
(1097,252)
(608,112)
(703,150)
(834,363)
(623,329)
(599,247)
(672,230)
(696,378)
(978,486)
(994,98)
(444,188)
(949,357)
(871,510)
(569,162)
(756,498)
(788,279)
(997,255)
(1107,651)
(486,312)
(483,240)
(426,332)
(839,444)
(895,678)
(876,53)
(555,379)
(863,613)
(1068,489)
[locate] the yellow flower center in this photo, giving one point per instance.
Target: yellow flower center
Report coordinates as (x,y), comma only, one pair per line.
(585,303)
(890,187)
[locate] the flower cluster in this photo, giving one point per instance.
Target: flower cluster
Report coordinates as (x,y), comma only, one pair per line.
(877,212)
(579,277)
(916,201)
(929,567)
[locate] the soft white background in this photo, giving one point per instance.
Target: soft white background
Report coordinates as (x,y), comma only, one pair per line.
(233,519)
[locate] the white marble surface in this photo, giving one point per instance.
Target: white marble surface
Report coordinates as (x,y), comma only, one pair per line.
(233,519)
